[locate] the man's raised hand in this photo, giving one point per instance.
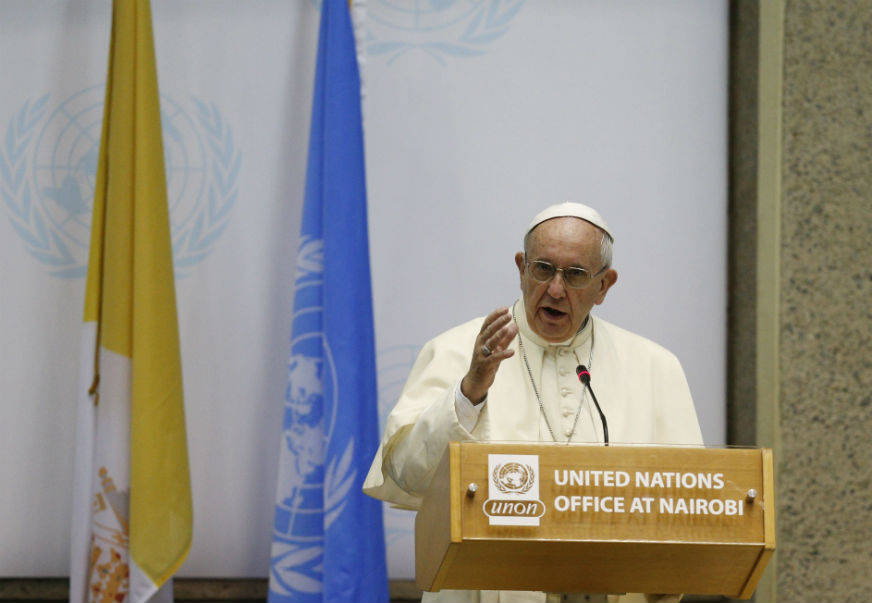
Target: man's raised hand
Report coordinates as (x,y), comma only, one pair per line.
(491,348)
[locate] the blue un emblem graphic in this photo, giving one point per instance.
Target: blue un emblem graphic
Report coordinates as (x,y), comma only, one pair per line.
(438,28)
(313,486)
(48,168)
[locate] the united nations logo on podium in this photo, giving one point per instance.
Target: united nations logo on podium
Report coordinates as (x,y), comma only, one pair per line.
(513,490)
(513,477)
(48,168)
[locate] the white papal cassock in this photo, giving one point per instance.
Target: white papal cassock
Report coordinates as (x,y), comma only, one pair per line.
(640,386)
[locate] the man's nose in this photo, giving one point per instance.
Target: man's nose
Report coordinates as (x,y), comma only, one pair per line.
(556,287)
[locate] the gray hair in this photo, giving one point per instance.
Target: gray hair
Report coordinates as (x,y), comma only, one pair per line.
(606,245)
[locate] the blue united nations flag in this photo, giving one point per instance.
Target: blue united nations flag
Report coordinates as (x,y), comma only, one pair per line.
(328,540)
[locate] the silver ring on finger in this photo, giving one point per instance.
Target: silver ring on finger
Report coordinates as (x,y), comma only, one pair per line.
(486,351)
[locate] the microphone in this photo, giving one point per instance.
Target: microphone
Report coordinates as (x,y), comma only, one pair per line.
(584,377)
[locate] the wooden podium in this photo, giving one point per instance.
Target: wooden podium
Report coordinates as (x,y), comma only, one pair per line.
(591,518)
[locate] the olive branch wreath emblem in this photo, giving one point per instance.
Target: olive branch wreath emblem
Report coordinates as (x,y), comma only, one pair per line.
(529,476)
(292,558)
(191,245)
(487,22)
(26,218)
(45,243)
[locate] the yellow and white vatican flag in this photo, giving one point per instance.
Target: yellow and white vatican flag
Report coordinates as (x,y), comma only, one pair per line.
(132,517)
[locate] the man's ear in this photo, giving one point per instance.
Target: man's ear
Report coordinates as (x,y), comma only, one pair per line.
(519,262)
(607,280)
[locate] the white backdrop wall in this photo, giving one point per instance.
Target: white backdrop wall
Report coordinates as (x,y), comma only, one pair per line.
(478,113)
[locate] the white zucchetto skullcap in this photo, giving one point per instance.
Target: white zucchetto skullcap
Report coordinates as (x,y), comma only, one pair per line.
(569,209)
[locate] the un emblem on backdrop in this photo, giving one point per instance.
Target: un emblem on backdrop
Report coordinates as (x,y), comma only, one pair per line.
(48,169)
(439,28)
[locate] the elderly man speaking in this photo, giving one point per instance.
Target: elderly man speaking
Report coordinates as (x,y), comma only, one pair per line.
(511,376)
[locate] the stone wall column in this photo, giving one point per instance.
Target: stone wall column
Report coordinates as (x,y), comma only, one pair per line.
(812,296)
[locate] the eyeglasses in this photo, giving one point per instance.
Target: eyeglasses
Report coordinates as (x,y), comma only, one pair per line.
(574,276)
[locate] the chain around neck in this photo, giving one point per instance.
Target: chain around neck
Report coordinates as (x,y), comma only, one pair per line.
(536,389)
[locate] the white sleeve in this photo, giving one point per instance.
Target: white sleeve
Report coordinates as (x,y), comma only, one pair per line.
(425,419)
(467,412)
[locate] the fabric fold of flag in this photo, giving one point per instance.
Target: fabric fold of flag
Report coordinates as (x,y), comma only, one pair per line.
(132,510)
(328,539)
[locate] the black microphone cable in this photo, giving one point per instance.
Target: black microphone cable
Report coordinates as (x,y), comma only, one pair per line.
(584,377)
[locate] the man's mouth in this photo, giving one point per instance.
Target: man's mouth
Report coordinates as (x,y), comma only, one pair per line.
(553,312)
